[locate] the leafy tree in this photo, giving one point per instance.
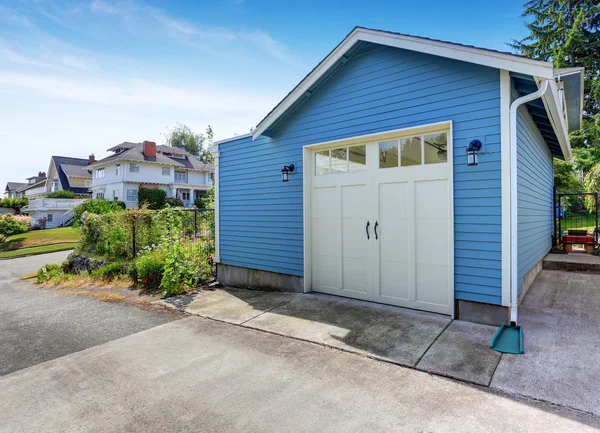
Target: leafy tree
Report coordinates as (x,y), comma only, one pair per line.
(197,144)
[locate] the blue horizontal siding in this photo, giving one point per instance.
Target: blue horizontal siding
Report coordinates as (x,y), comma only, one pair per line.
(381,90)
(535,180)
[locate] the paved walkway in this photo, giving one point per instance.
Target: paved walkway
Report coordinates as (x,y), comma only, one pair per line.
(201,375)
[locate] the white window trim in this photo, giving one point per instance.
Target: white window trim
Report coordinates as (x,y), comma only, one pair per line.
(308,167)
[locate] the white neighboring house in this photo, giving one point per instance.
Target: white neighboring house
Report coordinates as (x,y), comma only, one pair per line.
(64,174)
(146,165)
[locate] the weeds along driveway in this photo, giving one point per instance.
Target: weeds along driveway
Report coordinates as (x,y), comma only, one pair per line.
(39,325)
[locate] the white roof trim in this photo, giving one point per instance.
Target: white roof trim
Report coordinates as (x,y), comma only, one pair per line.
(226,140)
(478,56)
(551,101)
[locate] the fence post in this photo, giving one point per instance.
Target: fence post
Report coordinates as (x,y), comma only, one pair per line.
(195,222)
(133,239)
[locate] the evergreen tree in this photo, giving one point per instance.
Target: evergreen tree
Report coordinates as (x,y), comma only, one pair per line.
(567,32)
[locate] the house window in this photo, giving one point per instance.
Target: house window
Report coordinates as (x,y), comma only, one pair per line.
(118,169)
(179,176)
(185,196)
(54,185)
(49,218)
(134,168)
(99,195)
(88,182)
(132,195)
(115,194)
(100,173)
(166,171)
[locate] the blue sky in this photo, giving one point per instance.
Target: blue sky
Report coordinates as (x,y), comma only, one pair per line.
(80,77)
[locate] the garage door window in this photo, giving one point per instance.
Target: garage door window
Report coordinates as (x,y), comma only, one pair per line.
(436,148)
(341,160)
(417,150)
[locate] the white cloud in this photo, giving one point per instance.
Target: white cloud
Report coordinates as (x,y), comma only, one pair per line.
(14,57)
(11,15)
(136,92)
(75,62)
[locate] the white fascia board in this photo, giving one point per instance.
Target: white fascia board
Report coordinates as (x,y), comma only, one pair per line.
(227,140)
(551,101)
(478,56)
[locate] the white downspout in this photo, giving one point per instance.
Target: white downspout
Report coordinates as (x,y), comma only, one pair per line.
(514,238)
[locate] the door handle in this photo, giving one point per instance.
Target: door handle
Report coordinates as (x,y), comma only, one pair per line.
(367,229)
(375,227)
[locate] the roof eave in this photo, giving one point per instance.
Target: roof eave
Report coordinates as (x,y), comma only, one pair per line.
(551,101)
(443,49)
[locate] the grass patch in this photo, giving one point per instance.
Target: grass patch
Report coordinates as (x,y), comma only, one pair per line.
(28,276)
(12,254)
(36,238)
(578,222)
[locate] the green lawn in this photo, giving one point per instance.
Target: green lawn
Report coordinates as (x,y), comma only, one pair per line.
(578,222)
(39,242)
(13,254)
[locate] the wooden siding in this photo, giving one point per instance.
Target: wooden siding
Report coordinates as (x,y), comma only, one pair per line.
(535,180)
(376,90)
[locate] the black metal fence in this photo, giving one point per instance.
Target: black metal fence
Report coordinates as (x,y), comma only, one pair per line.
(576,221)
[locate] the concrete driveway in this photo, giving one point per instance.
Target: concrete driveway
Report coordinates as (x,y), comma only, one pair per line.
(38,325)
(201,375)
(560,316)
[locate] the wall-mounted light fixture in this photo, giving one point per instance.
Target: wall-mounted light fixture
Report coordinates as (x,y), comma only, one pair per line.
(285,171)
(474,147)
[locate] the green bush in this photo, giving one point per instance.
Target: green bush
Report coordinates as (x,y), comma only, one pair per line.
(49,272)
(206,202)
(174,202)
(109,272)
(153,198)
(147,269)
(12,225)
(14,203)
(99,207)
(61,194)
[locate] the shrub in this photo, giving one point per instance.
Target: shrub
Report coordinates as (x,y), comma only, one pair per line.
(147,269)
(78,264)
(99,207)
(61,194)
(49,272)
(174,202)
(14,203)
(153,198)
(109,272)
(206,202)
(24,219)
(9,225)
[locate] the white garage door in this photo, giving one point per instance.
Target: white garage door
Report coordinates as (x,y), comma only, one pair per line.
(381,221)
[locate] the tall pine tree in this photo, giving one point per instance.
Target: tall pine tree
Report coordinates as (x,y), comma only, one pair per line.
(567,32)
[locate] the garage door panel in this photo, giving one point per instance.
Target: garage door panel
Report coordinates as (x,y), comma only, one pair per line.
(325,203)
(431,241)
(354,201)
(432,284)
(325,237)
(354,238)
(393,200)
(394,243)
(326,272)
(393,280)
(431,199)
(355,275)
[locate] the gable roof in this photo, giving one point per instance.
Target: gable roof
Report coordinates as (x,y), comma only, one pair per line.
(14,186)
(165,155)
(32,185)
(340,54)
(65,165)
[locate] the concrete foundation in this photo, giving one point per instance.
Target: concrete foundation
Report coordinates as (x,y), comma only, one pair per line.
(477,312)
(245,278)
(529,278)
